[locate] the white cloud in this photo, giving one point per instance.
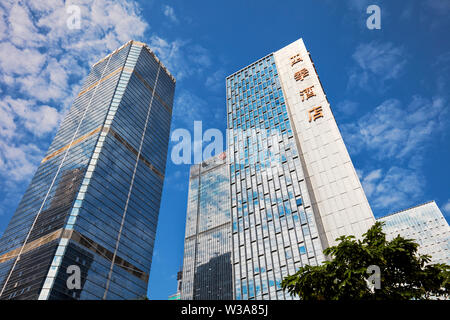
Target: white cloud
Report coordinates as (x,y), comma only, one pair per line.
(169,52)
(446,207)
(52,83)
(63,53)
(438,6)
(359,5)
(3,27)
(38,120)
(373,175)
(170,13)
(200,55)
(105,25)
(393,188)
(395,137)
(181,57)
(360,173)
(22,31)
(14,61)
(395,131)
(369,181)
(42,66)
(7,124)
(188,108)
(376,63)
(18,163)
(216,80)
(347,107)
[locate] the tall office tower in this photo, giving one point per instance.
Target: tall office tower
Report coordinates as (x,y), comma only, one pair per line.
(294,189)
(85,228)
(207,272)
(426,225)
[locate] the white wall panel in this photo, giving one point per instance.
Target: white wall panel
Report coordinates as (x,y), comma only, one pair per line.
(339,199)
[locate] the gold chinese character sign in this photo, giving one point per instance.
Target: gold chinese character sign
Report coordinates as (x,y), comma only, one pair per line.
(315,113)
(308,93)
(295,59)
(302,74)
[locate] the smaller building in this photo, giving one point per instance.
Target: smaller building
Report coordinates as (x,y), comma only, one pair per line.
(426,225)
(177,296)
(207,269)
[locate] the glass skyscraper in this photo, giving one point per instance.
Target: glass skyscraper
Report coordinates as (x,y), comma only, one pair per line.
(207,271)
(94,200)
(426,225)
(293,187)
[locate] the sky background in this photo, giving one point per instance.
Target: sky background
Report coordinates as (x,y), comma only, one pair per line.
(388,88)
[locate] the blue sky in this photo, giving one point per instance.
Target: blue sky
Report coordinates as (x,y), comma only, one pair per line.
(388,88)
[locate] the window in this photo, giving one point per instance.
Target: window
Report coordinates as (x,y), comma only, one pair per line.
(302,249)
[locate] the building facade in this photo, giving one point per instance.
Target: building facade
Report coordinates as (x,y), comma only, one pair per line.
(92,207)
(293,187)
(426,225)
(207,271)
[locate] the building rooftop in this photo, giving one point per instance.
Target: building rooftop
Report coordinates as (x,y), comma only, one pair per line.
(396,212)
(146,47)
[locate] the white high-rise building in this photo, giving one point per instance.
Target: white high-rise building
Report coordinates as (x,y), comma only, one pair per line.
(293,186)
(426,225)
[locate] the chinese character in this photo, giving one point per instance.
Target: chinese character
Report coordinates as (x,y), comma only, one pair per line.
(315,113)
(295,59)
(302,74)
(308,92)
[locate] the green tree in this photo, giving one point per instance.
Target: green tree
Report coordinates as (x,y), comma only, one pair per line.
(404,274)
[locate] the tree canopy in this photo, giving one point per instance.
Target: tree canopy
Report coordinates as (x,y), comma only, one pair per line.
(404,273)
